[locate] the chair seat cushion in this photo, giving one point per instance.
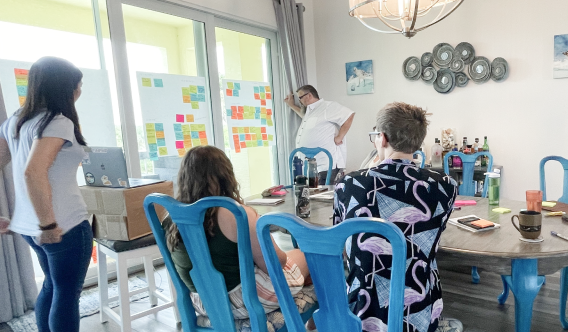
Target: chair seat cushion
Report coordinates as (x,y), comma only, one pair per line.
(120,246)
(305,299)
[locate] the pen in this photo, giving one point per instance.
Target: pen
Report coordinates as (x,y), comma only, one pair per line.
(559,235)
(457,208)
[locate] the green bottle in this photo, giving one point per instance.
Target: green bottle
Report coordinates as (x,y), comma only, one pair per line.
(485,149)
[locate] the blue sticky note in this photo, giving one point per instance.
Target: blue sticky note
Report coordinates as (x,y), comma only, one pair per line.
(263,121)
(229,112)
(153,147)
(22,90)
(235,93)
(158,83)
(153,155)
(179,136)
(256,89)
(177,126)
(161,142)
(159,126)
(257,115)
(200,89)
(200,97)
(194,134)
(261,89)
(237,86)
(257,109)
(259,142)
(193,96)
(242,137)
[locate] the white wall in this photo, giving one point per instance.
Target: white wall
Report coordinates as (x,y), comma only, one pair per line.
(525,117)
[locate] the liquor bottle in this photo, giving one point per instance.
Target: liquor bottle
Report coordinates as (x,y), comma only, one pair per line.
(464,147)
(456,162)
(485,149)
(436,154)
(476,149)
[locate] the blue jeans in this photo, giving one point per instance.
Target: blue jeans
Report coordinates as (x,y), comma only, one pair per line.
(65,266)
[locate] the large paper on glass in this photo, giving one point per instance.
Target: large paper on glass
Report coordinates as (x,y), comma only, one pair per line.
(94,107)
(250,114)
(176,113)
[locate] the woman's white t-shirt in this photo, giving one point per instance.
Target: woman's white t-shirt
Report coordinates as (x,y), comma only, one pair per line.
(68,204)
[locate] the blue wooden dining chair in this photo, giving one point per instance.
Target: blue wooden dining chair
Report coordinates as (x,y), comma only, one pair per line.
(564,163)
(423,155)
(467,188)
(323,248)
(310,153)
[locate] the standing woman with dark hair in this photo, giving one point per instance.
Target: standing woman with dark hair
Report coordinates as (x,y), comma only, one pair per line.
(45,145)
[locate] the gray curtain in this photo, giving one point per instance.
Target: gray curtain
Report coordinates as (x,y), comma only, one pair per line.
(18,290)
(289,19)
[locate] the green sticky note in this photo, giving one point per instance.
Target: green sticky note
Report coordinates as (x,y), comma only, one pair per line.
(262,95)
(150,126)
(271,137)
(152,140)
(194,127)
(248,116)
(195,105)
(265,143)
(24,82)
(249,144)
(163,151)
(196,142)
(263,116)
(200,127)
(258,131)
(241,130)
(146,82)
(193,88)
(230,85)
(246,109)
(185,91)
(269,122)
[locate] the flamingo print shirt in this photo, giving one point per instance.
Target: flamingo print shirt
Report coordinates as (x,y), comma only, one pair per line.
(419,201)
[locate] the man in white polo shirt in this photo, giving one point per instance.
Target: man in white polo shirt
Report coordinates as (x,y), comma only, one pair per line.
(324,124)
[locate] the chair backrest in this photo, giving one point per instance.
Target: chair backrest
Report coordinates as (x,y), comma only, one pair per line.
(323,248)
(564,162)
(209,282)
(468,160)
(421,153)
(310,153)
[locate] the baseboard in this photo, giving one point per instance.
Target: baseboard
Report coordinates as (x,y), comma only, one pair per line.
(93,281)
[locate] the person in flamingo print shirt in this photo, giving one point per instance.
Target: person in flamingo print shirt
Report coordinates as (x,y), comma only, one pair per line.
(419,201)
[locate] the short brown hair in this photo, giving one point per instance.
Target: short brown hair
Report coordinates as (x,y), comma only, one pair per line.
(310,89)
(404,125)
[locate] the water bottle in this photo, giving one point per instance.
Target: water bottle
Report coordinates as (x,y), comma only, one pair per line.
(313,179)
(302,200)
(493,187)
(297,166)
(436,154)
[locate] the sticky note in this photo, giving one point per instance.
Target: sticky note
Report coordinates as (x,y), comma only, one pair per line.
(261,89)
(235,93)
(234,116)
(257,115)
(193,89)
(152,140)
(259,143)
(200,127)
(247,137)
(179,136)
(153,155)
(235,137)
(158,83)
(243,137)
(229,92)
(267,89)
(249,116)
(163,151)
(145,82)
(159,126)
(483,223)
(265,143)
(21,72)
(465,203)
(263,121)
(271,137)
(185,129)
(263,130)
(195,105)
(264,137)
(24,82)
(243,145)
(234,109)
(22,100)
(237,149)
(257,109)
(193,96)
(186,99)
(161,141)
(268,111)
(179,145)
(262,95)
(202,134)
(247,130)
(237,86)
(187,144)
(160,134)
(501,210)
(229,112)
(268,96)
(235,130)
(263,102)
(194,134)
(181,152)
(22,90)
(548,204)
(269,122)
(185,91)
(253,137)
(230,85)
(268,116)
(153,147)
(194,127)
(263,110)
(263,116)
(189,118)
(241,109)
(200,89)
(177,126)
(241,130)
(204,141)
(196,142)
(240,116)
(200,97)
(180,118)
(151,133)
(150,126)
(249,144)
(256,89)
(257,96)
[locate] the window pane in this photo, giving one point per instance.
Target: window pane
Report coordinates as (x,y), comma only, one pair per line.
(248,114)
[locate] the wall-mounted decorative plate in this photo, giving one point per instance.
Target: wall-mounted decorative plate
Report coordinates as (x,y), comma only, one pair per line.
(461,79)
(480,69)
(429,74)
(456,65)
(465,52)
(499,69)
(426,59)
(443,54)
(411,68)
(446,81)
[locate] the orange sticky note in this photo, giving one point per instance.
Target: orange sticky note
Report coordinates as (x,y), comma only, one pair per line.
(235,130)
(160,134)
(268,96)
(247,130)
(483,223)
(267,89)
(189,118)
(187,99)
(229,92)
(263,130)
(263,102)
(235,137)
(181,152)
(234,109)
(269,111)
(237,148)
(247,137)
(243,145)
(264,137)
(257,96)
(202,134)
(241,109)
(187,144)
(203,141)
(240,116)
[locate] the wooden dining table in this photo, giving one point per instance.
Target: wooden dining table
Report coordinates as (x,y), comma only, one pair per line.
(522,265)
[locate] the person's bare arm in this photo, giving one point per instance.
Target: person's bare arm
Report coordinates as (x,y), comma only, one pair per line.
(343,130)
(42,155)
(5,156)
(289,100)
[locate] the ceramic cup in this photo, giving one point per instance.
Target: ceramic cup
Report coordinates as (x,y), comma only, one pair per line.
(530,223)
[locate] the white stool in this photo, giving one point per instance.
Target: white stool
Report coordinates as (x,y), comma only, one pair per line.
(125,318)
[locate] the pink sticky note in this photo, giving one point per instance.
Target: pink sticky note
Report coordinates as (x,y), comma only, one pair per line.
(180,118)
(179,145)
(464,203)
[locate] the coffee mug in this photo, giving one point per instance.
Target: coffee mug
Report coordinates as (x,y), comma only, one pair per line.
(530,223)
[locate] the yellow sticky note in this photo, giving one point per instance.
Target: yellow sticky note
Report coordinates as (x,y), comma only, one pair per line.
(186,99)
(230,85)
(150,126)
(163,151)
(181,152)
(185,91)
(267,89)
(24,82)
(548,204)
(201,127)
(247,130)
(195,105)
(152,140)
(193,89)
(235,130)
(203,141)
(196,142)
(146,82)
(501,210)
(189,118)
(241,130)
(185,129)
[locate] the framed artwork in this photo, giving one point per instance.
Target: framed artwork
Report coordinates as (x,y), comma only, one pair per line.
(359,77)
(560,66)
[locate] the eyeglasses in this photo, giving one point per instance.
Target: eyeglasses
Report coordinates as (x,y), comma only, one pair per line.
(305,94)
(373,135)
